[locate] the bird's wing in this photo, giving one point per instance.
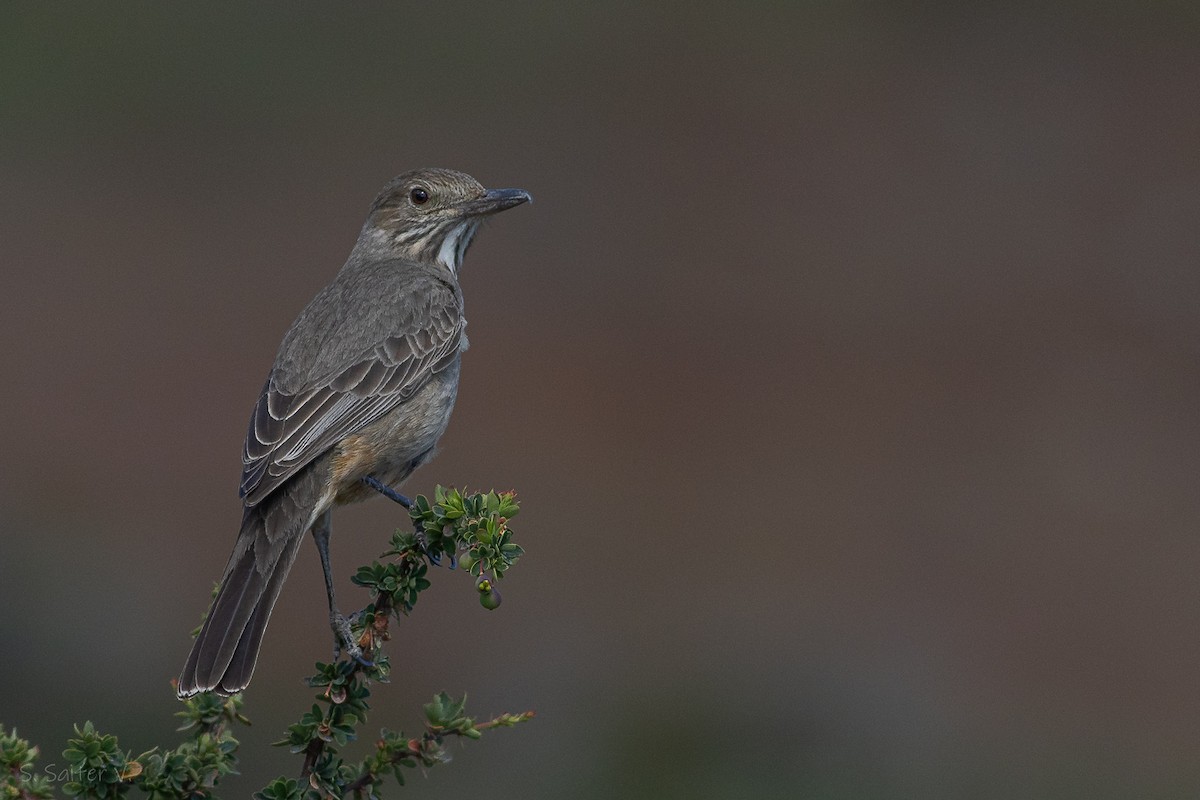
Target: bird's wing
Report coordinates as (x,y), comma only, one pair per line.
(289,429)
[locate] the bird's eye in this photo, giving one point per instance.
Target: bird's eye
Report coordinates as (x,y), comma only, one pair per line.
(419,196)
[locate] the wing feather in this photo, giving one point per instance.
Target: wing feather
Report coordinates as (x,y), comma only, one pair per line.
(289,430)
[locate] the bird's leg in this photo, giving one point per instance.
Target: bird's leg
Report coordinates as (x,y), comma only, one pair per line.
(343,637)
(387,491)
(392,494)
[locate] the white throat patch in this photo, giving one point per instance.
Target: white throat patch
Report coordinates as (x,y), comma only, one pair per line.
(454,246)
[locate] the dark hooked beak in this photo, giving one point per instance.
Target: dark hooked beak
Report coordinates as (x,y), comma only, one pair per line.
(495,200)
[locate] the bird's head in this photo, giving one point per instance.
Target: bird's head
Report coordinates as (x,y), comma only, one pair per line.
(432,214)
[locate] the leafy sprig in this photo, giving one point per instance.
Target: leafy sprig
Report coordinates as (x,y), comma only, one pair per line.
(471,529)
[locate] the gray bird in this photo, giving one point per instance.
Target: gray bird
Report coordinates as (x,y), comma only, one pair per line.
(361,390)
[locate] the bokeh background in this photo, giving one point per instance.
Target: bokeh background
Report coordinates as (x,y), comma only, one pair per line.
(846,363)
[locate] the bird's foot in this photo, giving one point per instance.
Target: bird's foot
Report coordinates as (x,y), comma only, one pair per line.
(423,545)
(434,558)
(344,641)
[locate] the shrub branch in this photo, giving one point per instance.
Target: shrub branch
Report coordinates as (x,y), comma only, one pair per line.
(471,529)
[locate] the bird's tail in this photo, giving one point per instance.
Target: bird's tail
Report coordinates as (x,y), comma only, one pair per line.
(224,653)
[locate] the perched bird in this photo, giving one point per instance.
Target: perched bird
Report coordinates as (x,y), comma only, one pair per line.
(361,390)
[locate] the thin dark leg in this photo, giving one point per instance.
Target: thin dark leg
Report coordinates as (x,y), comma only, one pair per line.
(387,491)
(342,635)
(392,494)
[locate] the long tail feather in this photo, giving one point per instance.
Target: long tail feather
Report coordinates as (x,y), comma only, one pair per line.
(225,652)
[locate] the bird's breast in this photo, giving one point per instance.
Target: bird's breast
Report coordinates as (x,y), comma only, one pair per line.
(394,445)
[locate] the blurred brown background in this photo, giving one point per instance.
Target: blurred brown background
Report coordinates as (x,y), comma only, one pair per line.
(846,365)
